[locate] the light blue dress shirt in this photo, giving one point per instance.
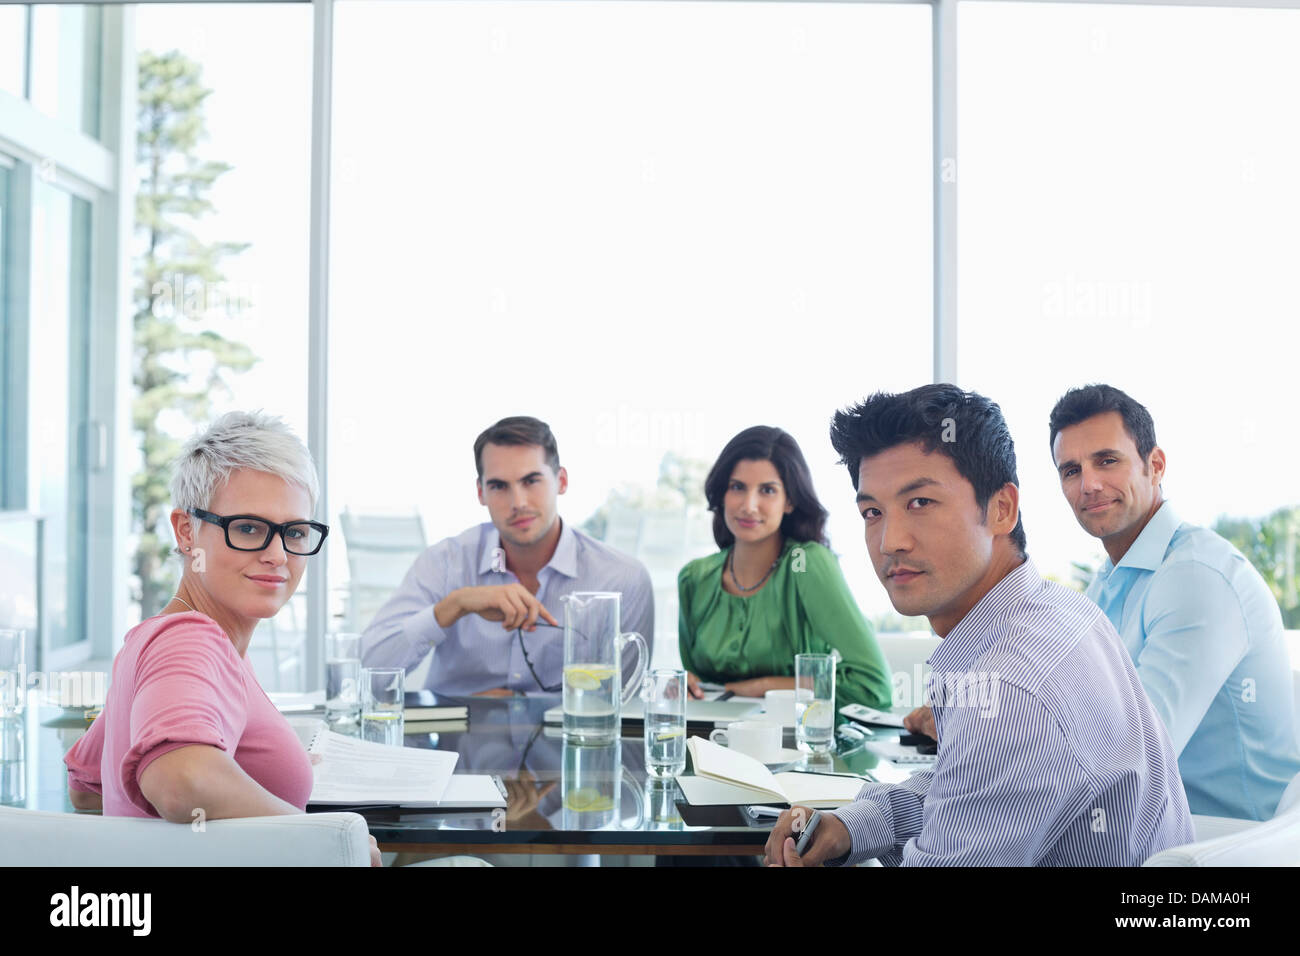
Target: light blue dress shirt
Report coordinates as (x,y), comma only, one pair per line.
(1050,753)
(1205,635)
(476,654)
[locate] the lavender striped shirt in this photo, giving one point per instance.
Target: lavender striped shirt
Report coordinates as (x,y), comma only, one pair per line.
(475,654)
(1049,752)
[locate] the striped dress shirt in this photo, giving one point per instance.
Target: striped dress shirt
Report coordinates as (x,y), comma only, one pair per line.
(476,654)
(1050,753)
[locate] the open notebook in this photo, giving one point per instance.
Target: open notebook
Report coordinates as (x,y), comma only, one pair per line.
(357,773)
(725,776)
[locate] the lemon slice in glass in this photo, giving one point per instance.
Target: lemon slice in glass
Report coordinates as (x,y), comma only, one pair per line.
(817,713)
(669,734)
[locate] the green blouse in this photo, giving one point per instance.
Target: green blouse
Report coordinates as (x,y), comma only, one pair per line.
(805,608)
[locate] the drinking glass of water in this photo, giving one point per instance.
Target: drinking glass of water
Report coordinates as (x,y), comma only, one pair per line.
(13,676)
(13,785)
(383,696)
(342,678)
(814,703)
(664,693)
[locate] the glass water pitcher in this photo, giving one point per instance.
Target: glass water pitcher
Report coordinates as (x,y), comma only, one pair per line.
(593,668)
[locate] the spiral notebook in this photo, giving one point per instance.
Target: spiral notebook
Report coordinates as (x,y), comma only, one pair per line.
(360,773)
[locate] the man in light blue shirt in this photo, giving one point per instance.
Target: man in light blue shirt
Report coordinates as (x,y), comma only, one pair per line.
(1202,627)
(489,599)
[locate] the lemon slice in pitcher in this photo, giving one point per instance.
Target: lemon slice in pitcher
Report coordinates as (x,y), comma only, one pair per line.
(588,800)
(586,678)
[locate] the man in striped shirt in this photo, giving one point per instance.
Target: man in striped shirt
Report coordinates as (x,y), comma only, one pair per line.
(1049,751)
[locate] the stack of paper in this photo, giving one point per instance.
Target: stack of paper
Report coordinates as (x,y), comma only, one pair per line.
(354,772)
(426,713)
(294,702)
(436,713)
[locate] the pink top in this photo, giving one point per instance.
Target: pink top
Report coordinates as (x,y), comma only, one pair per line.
(179,681)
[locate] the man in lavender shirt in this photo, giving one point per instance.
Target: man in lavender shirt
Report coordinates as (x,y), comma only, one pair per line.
(488,600)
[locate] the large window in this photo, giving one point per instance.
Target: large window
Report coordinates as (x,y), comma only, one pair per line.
(53,177)
(13,50)
(220,284)
(65,63)
(1129,217)
(651,225)
(8,397)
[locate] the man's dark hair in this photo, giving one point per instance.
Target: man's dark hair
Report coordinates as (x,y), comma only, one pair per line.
(965,426)
(519,430)
(1080,404)
(764,443)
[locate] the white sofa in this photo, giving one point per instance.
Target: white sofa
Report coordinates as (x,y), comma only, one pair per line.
(40,838)
(1222,841)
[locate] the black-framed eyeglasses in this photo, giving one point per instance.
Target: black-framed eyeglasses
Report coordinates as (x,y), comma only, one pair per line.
(546,688)
(251,533)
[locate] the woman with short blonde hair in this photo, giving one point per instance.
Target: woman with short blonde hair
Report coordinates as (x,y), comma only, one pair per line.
(186,727)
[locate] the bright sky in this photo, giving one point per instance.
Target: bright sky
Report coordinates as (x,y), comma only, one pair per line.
(654,225)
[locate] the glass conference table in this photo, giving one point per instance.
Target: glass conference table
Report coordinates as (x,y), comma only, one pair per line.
(562,798)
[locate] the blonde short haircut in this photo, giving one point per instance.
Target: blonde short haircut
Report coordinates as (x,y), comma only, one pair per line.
(237,440)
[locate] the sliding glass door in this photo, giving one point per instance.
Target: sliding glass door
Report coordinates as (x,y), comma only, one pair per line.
(57,375)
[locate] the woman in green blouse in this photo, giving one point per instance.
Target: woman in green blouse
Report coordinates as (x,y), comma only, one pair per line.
(774,590)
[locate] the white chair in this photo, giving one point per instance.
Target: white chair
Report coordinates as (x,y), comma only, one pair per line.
(278,646)
(906,655)
(663,540)
(1222,841)
(623,528)
(661,546)
(381,549)
(699,534)
(41,838)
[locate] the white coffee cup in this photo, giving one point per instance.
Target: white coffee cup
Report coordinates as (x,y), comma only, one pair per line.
(778,705)
(759,739)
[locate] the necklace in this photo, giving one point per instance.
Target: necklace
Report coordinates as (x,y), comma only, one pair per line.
(177,597)
(731,564)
